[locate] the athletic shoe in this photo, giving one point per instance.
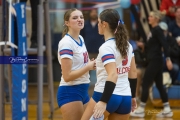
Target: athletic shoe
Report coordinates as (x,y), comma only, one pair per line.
(137,113)
(164,114)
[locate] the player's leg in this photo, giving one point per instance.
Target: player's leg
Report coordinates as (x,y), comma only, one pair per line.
(116,116)
(89,110)
(71,99)
(72,110)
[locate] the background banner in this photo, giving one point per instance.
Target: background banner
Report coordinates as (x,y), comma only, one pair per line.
(19,71)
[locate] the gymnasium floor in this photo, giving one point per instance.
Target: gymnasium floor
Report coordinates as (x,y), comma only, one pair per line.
(150,110)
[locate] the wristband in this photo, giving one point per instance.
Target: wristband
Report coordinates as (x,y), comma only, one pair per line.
(133,82)
(108,90)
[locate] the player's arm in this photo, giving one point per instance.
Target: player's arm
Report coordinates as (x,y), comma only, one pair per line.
(66,57)
(111,71)
(68,74)
(108,60)
(110,84)
(132,76)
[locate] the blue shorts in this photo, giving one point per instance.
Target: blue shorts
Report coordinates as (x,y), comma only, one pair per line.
(66,94)
(117,104)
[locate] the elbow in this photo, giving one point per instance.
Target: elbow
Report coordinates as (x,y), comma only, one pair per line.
(66,79)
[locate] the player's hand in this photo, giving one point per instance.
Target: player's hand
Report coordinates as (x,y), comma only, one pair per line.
(92,64)
(134,104)
(99,109)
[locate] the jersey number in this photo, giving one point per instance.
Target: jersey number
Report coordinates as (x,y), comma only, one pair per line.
(85,57)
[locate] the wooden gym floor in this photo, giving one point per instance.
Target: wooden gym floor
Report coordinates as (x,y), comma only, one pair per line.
(32,109)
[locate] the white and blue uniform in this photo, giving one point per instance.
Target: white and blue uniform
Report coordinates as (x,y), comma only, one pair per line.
(77,52)
(109,53)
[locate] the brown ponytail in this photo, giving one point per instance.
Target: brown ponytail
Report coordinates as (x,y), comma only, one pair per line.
(121,36)
(118,28)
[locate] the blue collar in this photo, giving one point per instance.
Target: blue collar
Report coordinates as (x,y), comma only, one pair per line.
(80,44)
(110,39)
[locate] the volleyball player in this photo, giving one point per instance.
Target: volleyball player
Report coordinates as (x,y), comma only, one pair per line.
(114,92)
(72,93)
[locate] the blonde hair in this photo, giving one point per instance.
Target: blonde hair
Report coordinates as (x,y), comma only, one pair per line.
(157,14)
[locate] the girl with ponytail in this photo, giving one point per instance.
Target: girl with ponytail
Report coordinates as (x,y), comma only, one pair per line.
(114,92)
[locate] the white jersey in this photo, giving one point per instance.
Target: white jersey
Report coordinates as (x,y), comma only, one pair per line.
(107,54)
(69,48)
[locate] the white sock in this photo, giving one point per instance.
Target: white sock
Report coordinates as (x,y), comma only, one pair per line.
(166,107)
(141,106)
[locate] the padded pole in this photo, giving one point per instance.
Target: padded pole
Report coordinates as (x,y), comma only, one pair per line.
(40,65)
(1,65)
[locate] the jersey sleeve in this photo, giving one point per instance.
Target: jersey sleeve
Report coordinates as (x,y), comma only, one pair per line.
(107,54)
(65,50)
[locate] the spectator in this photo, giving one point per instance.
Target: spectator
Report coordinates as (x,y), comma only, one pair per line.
(174,53)
(174,26)
(90,34)
(168,7)
(153,72)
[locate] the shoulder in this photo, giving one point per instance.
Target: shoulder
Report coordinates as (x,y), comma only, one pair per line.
(65,41)
(107,46)
(157,30)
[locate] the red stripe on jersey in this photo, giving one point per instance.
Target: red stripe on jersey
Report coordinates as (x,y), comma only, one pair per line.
(66,51)
(107,57)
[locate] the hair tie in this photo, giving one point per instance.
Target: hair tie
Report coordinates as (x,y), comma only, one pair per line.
(120,21)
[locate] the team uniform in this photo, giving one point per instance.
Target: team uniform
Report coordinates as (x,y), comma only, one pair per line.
(76,90)
(120,101)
